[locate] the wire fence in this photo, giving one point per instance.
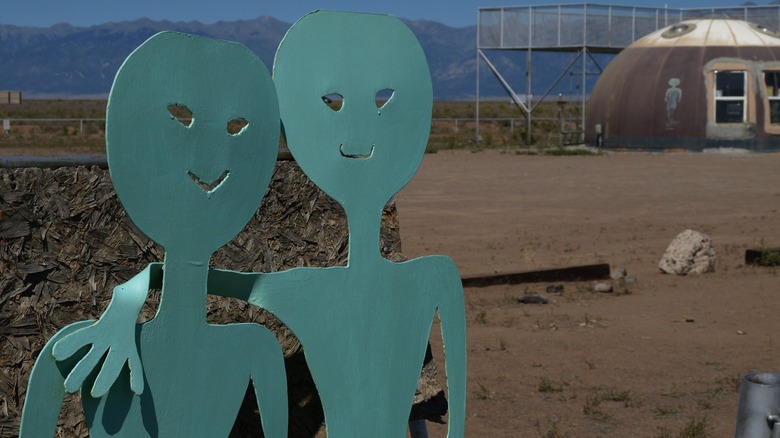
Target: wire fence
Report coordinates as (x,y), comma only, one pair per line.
(79,123)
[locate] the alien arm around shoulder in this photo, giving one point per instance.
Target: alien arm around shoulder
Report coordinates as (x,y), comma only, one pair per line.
(114,333)
(115,330)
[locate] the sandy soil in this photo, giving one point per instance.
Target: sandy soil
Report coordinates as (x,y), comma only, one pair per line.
(647,360)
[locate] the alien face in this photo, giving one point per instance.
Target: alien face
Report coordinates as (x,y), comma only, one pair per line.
(192,130)
(355,99)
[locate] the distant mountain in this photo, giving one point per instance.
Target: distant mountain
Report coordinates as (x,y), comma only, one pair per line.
(65,60)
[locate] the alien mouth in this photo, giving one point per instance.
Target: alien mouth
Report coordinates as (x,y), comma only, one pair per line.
(206,186)
(358,156)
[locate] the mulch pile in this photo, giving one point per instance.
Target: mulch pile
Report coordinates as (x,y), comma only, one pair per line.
(65,243)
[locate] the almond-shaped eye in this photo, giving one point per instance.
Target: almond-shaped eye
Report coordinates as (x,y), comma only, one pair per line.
(181,113)
(383,96)
(235,126)
(334,101)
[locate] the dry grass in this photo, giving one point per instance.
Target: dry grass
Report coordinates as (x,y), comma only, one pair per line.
(446,133)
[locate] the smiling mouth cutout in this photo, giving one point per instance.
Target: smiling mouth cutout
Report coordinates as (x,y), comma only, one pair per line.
(357,156)
(209,187)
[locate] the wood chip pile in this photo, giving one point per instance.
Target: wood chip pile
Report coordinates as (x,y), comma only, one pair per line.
(65,243)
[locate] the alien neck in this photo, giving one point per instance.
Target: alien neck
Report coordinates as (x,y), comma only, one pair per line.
(364,227)
(183,300)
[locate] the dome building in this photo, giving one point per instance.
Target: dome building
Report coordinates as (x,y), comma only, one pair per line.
(698,84)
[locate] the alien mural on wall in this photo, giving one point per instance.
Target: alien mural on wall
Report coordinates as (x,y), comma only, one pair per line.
(364,327)
(672,98)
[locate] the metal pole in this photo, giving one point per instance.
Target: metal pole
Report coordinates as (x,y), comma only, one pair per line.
(584,70)
(476,135)
(528,97)
(759,405)
(528,103)
(584,84)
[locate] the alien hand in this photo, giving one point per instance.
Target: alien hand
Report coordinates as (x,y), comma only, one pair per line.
(114,333)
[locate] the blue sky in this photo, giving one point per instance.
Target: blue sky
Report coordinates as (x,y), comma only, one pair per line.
(457,13)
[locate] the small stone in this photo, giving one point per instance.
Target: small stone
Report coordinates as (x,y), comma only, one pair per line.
(555,289)
(532,299)
(602,287)
(618,273)
(629,278)
(740,332)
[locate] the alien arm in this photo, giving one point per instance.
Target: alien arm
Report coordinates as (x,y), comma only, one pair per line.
(452,315)
(46,389)
(280,293)
(232,284)
(114,333)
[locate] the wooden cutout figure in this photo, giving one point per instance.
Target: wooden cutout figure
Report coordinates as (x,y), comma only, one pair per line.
(365,326)
(190,185)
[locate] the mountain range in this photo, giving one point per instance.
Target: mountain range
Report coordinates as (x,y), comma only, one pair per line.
(67,61)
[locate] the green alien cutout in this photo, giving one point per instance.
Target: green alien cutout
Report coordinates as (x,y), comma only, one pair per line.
(364,327)
(191,186)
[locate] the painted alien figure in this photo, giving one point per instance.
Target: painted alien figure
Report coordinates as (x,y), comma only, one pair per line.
(364,327)
(191,187)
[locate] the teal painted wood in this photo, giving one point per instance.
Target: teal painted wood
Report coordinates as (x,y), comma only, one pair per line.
(364,326)
(191,189)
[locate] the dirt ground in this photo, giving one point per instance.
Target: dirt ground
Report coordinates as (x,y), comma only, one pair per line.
(658,357)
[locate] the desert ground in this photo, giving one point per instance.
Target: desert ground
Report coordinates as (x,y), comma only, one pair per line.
(658,357)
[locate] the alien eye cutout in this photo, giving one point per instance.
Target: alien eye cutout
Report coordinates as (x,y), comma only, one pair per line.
(383,96)
(235,126)
(181,113)
(334,101)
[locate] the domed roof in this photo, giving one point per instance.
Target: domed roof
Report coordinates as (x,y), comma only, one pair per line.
(662,90)
(711,32)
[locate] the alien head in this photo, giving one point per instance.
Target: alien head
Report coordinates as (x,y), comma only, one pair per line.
(366,151)
(191,180)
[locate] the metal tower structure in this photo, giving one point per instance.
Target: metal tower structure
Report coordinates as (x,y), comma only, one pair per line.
(584,29)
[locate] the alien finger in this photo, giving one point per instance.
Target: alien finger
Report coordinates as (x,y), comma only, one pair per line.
(83,369)
(136,374)
(70,344)
(108,374)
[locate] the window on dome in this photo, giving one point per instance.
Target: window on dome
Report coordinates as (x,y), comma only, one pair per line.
(730,96)
(772,87)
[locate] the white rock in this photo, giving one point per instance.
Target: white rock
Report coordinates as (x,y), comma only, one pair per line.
(602,287)
(618,273)
(691,252)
